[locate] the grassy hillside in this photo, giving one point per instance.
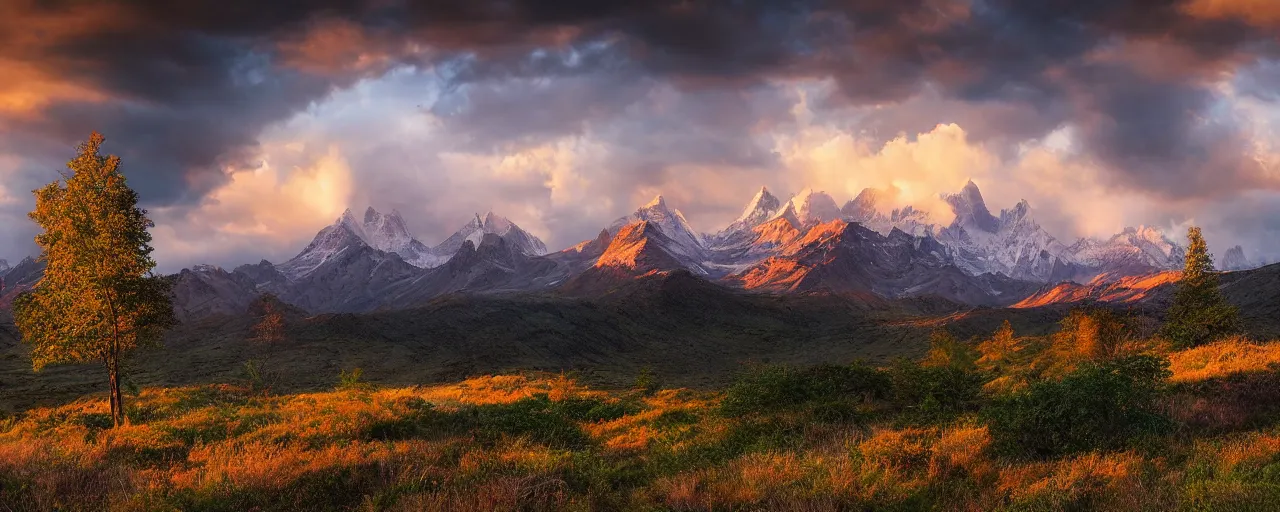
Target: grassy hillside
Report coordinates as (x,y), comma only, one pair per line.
(687,331)
(681,329)
(903,437)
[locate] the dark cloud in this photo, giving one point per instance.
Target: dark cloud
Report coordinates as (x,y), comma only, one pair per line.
(184,89)
(194,82)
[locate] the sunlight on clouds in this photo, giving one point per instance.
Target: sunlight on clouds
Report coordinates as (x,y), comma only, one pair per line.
(919,170)
(915,172)
(1262,121)
(25,90)
(263,202)
(269,208)
(1261,13)
(556,167)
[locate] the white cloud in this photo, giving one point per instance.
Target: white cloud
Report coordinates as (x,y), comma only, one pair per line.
(270,211)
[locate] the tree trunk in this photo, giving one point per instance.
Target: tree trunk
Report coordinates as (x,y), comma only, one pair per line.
(111,393)
(117,399)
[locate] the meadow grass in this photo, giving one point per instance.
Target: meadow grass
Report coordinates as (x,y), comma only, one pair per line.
(836,438)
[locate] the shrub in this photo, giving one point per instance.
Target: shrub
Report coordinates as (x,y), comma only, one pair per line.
(257,377)
(538,418)
(933,392)
(645,380)
(828,388)
(353,381)
(1098,406)
(946,350)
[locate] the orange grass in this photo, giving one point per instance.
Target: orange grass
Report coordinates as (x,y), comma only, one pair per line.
(1222,358)
(218,447)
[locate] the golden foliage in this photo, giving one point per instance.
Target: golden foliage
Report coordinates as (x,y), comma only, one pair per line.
(221,444)
(1222,358)
(96,299)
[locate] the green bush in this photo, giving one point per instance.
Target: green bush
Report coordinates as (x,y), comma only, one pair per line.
(1099,406)
(353,381)
(537,418)
(927,393)
(646,381)
(834,391)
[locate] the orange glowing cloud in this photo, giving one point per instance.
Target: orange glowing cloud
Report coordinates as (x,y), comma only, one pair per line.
(26,89)
(268,208)
(1261,13)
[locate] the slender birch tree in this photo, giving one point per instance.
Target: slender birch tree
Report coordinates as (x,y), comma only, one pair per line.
(98,299)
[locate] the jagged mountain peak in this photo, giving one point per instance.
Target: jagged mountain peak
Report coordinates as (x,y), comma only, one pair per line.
(788,213)
(815,206)
(1234,259)
(761,208)
(971,210)
(630,247)
(668,220)
(1020,211)
(656,202)
(1136,249)
(643,246)
(496,224)
(864,207)
(491,224)
(384,232)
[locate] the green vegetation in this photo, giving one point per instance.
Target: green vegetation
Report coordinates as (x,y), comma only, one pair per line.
(97,299)
(1088,418)
(1199,313)
(1099,406)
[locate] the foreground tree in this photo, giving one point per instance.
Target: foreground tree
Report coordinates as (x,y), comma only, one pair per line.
(98,298)
(1199,313)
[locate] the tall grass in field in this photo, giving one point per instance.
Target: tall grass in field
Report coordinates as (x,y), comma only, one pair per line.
(909,436)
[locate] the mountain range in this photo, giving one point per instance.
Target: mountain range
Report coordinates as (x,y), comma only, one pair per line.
(805,243)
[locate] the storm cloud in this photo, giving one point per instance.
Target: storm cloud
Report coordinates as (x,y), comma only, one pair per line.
(577,110)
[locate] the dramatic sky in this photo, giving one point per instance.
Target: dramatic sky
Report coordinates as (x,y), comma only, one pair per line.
(246,125)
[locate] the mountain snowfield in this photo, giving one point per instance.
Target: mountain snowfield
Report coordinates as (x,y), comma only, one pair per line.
(805,242)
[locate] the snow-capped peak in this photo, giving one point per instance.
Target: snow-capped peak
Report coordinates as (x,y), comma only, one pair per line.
(491,224)
(349,221)
(656,202)
(1234,259)
(1133,249)
(811,206)
(864,207)
(970,209)
(496,224)
(788,212)
(761,208)
(669,221)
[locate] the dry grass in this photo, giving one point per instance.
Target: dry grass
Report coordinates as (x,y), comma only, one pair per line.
(1222,358)
(545,442)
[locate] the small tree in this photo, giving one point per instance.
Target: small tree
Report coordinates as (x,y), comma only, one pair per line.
(1199,313)
(98,298)
(1090,334)
(269,330)
(270,326)
(946,351)
(999,352)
